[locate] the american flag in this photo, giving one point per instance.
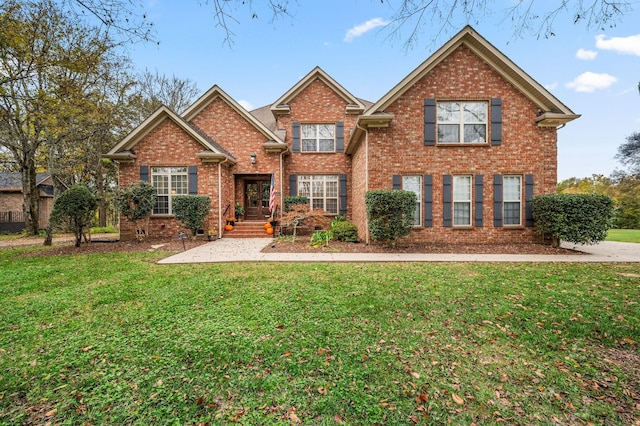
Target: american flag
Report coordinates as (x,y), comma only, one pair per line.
(272,195)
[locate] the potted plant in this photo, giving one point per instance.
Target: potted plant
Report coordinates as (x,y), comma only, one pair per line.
(239,211)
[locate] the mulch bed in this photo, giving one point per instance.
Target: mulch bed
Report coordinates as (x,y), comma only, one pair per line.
(301,245)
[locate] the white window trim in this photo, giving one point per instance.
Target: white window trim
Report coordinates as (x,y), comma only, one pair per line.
(505,200)
(460,123)
(317,139)
(468,201)
(324,179)
(418,196)
(172,171)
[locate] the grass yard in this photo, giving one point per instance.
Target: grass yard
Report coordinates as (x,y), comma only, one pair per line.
(624,235)
(117,339)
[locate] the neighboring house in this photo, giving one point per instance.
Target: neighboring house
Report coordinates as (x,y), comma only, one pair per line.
(468,131)
(11,201)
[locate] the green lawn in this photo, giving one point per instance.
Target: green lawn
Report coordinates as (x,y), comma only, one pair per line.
(117,339)
(624,235)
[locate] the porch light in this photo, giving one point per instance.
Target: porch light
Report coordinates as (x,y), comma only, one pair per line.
(253,157)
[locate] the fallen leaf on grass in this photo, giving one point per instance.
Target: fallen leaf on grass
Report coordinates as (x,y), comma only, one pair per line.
(51,413)
(86,349)
(457,399)
(338,419)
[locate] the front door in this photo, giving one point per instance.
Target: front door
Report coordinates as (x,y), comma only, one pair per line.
(256,199)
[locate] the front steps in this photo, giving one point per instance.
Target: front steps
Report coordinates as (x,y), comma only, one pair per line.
(247,229)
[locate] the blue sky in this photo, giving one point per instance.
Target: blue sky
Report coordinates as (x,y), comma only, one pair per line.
(595,73)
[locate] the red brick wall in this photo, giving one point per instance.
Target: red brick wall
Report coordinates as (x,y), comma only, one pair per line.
(525,149)
(317,103)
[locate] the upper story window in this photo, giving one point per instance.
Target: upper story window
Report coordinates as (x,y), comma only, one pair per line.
(168,181)
(318,137)
(462,122)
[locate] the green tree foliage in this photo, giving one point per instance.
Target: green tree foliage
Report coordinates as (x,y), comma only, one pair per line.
(136,202)
(576,218)
(75,208)
(390,214)
(629,153)
(191,211)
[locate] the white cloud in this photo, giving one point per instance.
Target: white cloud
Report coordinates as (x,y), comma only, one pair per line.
(361,29)
(629,45)
(586,55)
(246,105)
(590,81)
(551,86)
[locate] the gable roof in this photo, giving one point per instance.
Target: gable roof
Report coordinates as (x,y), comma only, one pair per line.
(354,105)
(216,92)
(212,150)
(552,110)
(11,182)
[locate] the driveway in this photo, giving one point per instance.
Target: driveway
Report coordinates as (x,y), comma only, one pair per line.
(249,250)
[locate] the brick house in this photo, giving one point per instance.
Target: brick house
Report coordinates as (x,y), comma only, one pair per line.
(12,201)
(468,131)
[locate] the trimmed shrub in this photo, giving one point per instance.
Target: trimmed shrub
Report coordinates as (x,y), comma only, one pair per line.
(136,205)
(576,218)
(76,208)
(294,200)
(390,214)
(344,231)
(191,211)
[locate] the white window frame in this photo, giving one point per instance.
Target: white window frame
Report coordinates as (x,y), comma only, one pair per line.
(461,198)
(316,189)
(417,215)
(176,182)
(460,122)
(512,196)
(317,140)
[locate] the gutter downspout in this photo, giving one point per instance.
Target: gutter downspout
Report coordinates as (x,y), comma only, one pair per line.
(281,183)
(366,177)
(220,197)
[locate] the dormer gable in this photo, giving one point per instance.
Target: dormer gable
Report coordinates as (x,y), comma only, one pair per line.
(124,151)
(353,104)
(217,93)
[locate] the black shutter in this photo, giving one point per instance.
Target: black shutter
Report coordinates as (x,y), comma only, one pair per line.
(339,136)
(479,200)
(293,185)
(397,182)
(497,201)
(295,135)
(343,195)
(193,180)
(447,199)
(429,122)
(528,200)
(428,200)
(496,121)
(144,173)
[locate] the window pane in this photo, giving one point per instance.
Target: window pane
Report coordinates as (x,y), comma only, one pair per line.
(475,133)
(475,112)
(318,188)
(411,183)
(461,213)
(511,187)
(332,205)
(318,203)
(332,189)
(309,131)
(179,185)
(161,184)
(449,112)
(325,131)
(512,213)
(308,144)
(448,133)
(162,205)
(462,188)
(304,188)
(325,145)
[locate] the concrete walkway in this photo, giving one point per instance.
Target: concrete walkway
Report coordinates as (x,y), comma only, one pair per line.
(249,250)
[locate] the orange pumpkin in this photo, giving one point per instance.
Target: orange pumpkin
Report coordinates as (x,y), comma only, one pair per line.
(270,230)
(267,225)
(228,227)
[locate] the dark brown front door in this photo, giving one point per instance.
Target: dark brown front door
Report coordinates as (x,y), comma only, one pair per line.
(256,199)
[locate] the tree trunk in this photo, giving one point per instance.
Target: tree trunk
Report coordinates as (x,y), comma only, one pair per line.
(31,197)
(102,202)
